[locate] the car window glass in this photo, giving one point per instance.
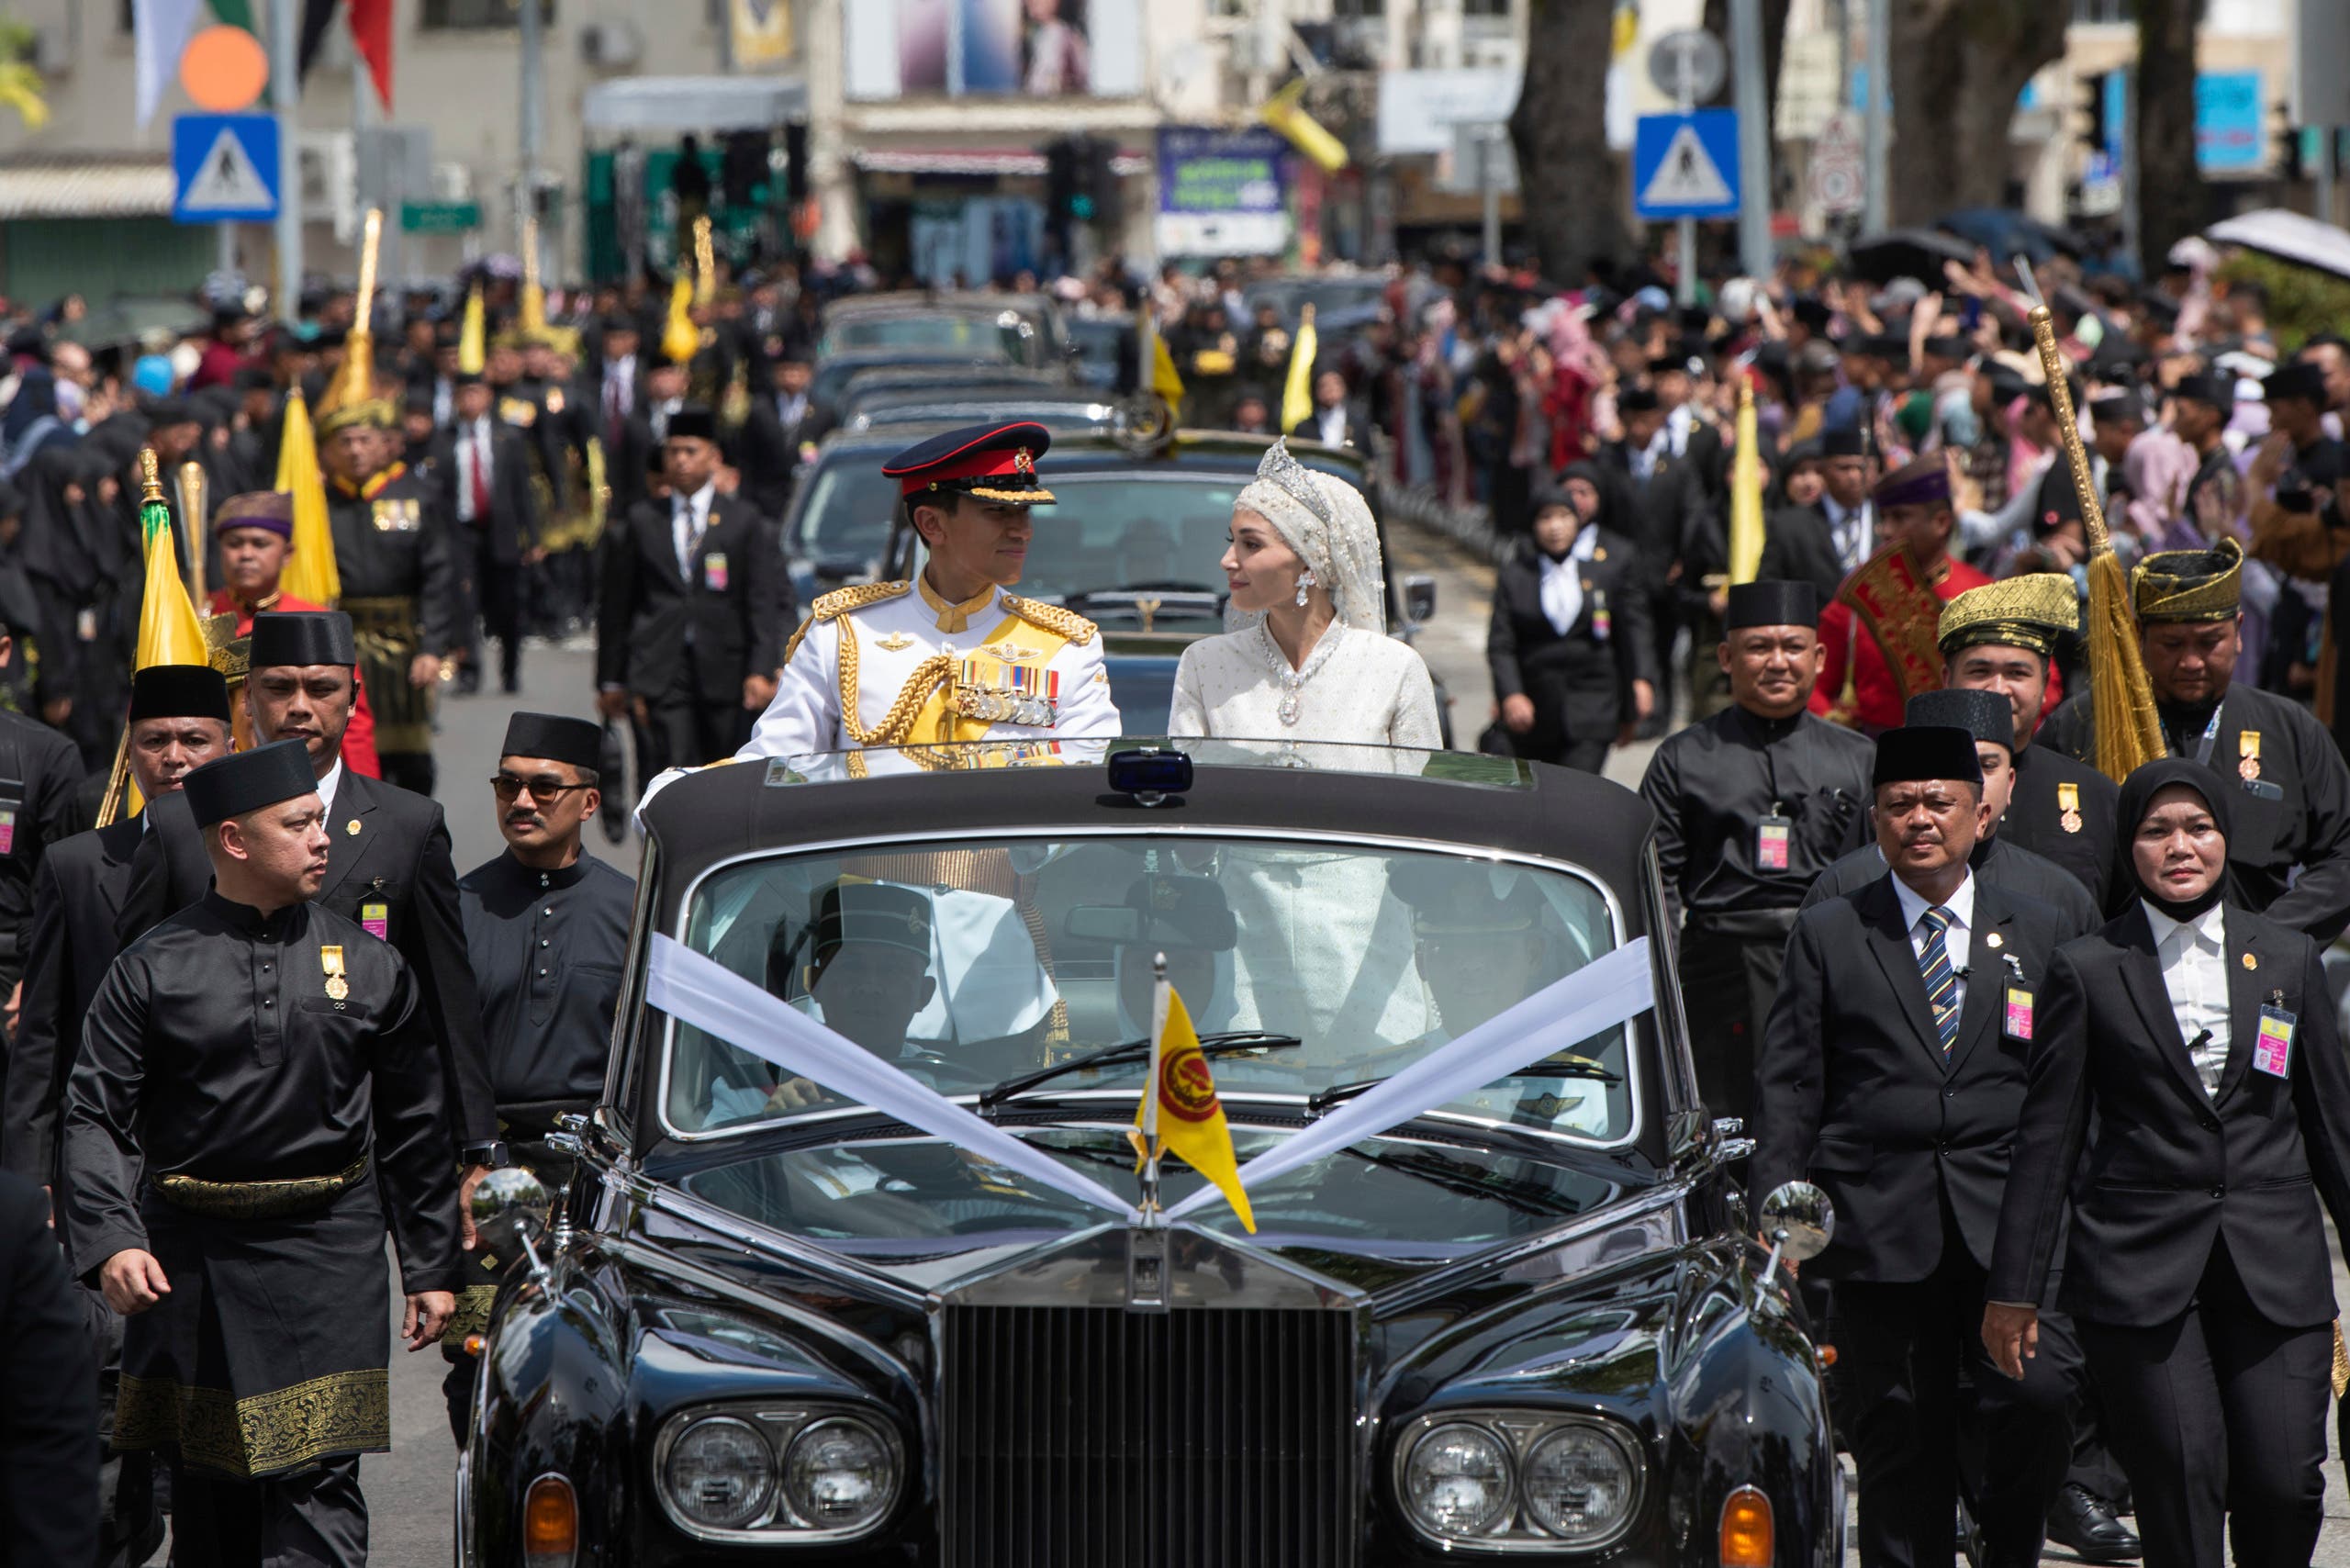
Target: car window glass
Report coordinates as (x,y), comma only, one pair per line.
(977,960)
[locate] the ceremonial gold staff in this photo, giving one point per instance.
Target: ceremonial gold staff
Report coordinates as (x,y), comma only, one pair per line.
(2129,731)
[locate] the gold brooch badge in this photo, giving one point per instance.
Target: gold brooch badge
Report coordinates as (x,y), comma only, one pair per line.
(2250,962)
(1022,463)
(351,827)
(330,960)
(895,643)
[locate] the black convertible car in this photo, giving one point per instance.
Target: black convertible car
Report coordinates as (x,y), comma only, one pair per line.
(850,1269)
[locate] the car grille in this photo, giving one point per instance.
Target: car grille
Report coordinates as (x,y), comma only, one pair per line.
(1193,1439)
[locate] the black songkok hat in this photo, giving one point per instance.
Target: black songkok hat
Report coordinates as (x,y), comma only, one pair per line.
(303,637)
(2303,381)
(1985,715)
(1844,440)
(694,421)
(850,910)
(1917,752)
(1636,400)
(1772,603)
(575,741)
(178,691)
(248,780)
(2219,391)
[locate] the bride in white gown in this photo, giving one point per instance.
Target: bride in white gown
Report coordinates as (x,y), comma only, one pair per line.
(1328,952)
(1308,657)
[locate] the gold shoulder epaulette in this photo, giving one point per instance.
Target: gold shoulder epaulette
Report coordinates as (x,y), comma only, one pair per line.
(1053,618)
(857,595)
(842,601)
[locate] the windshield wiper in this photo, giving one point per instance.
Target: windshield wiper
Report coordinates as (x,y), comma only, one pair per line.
(1549,1066)
(1230,1042)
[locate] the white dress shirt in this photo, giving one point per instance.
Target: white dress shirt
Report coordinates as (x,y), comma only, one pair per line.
(1853,531)
(1957,940)
(472,448)
(1646,458)
(1563,583)
(791,407)
(1332,424)
(2194,955)
(688,520)
(329,785)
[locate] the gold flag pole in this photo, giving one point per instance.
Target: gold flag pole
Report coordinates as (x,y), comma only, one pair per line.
(110,804)
(356,381)
(705,261)
(2129,731)
(192,515)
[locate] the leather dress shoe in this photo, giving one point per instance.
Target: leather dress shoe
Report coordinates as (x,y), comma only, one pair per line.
(2085,1523)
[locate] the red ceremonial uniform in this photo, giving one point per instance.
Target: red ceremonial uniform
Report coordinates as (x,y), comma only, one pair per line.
(1849,646)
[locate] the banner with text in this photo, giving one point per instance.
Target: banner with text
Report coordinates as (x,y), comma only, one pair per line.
(1222,193)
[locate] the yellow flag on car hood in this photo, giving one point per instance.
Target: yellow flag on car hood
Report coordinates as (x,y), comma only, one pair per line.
(1179,1110)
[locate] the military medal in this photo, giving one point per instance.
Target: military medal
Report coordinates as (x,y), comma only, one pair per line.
(2068,806)
(2248,754)
(330,960)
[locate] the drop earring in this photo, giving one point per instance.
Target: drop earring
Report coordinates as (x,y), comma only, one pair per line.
(1304,581)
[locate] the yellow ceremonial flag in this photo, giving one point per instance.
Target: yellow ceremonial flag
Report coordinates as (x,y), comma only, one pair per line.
(680,339)
(1746,493)
(1180,1109)
(1283,112)
(310,571)
(169,630)
(1297,393)
(473,348)
(1158,372)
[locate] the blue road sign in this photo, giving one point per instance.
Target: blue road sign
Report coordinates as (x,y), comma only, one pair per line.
(224,169)
(1686,165)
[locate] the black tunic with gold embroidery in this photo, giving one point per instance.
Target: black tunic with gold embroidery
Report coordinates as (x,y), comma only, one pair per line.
(402,590)
(219,1054)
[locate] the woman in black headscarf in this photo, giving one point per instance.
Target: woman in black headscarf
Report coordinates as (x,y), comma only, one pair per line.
(2197,1038)
(1569,642)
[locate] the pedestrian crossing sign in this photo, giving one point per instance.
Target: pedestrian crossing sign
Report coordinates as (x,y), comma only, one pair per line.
(224,169)
(1686,165)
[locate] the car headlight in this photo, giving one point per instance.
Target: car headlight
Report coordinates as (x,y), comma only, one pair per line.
(720,1473)
(776,1471)
(1579,1484)
(1457,1481)
(1520,1479)
(838,1475)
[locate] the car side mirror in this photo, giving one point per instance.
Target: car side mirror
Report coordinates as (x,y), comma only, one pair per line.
(1419,598)
(1113,923)
(1800,1222)
(510,1207)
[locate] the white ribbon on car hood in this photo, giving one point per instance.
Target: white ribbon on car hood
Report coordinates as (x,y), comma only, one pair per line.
(1557,1018)
(712,998)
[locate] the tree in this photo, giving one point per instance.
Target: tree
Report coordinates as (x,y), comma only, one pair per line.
(20,83)
(1958,67)
(2171,196)
(1566,174)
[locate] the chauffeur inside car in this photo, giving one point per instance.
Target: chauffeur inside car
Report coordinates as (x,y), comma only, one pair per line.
(868,975)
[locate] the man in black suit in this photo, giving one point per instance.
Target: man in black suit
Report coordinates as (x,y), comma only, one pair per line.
(1334,421)
(1820,543)
(1892,1074)
(48,1465)
(178,722)
(388,862)
(483,465)
(783,427)
(1569,641)
(696,608)
(644,428)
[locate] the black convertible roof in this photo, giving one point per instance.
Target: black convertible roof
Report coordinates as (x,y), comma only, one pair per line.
(1452,798)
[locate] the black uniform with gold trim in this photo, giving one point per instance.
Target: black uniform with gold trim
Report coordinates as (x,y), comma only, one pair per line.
(2060,809)
(401,589)
(2290,796)
(275,1075)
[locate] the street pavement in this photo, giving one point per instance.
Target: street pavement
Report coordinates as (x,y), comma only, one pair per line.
(410,1490)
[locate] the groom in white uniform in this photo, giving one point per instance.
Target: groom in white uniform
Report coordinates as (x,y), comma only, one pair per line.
(951,657)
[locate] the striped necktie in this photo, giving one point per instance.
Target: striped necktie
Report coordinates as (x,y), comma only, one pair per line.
(1941,981)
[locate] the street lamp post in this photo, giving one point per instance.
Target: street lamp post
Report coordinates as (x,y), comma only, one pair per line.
(284,74)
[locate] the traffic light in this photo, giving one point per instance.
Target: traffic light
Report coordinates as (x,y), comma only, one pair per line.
(1105,192)
(2286,138)
(1060,180)
(2085,120)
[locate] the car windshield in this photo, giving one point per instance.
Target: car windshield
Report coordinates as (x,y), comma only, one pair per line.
(849,507)
(984,334)
(968,962)
(1124,533)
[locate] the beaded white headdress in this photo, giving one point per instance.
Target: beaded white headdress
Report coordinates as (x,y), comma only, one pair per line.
(1326,522)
